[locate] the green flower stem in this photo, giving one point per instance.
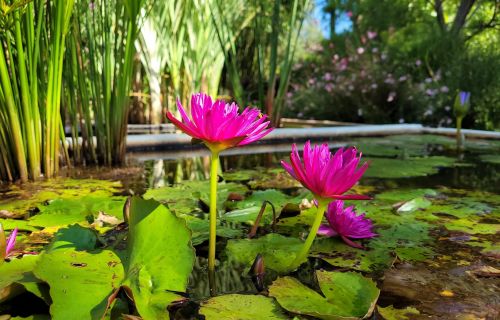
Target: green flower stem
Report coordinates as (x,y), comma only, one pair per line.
(459,133)
(213,220)
(312,234)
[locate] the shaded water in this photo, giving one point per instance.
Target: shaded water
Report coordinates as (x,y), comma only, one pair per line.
(446,267)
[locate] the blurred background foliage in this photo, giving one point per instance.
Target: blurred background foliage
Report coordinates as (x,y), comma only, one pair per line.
(75,73)
(401,61)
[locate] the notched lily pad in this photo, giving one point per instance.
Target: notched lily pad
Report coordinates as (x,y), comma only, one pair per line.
(278,251)
(391,313)
(346,295)
(413,167)
(241,307)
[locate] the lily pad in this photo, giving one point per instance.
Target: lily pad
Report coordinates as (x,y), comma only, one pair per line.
(19,200)
(405,194)
(278,251)
(346,295)
(338,254)
(61,212)
(414,204)
(490,158)
(413,167)
(20,271)
(240,175)
(241,307)
(391,313)
(80,282)
(160,257)
(200,230)
(184,198)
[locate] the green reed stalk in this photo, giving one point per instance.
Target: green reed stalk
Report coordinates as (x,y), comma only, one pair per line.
(102,54)
(31,53)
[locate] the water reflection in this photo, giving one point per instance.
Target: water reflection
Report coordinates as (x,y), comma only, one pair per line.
(469,173)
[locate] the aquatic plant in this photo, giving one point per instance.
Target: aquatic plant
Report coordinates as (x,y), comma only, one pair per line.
(461,106)
(7,245)
(344,222)
(327,176)
(32,47)
(98,77)
(219,126)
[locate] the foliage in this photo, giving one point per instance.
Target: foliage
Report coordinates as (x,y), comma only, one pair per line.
(403,61)
(32,44)
(347,295)
(99,65)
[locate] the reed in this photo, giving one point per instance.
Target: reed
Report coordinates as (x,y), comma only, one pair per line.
(32,49)
(101,58)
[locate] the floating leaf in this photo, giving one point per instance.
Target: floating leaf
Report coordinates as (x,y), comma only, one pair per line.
(80,282)
(391,313)
(347,295)
(184,198)
(61,212)
(337,253)
(414,167)
(278,251)
(241,307)
(490,158)
(200,230)
(20,271)
(414,204)
(405,194)
(160,259)
(32,194)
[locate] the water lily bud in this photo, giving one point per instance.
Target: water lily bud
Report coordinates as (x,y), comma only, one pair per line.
(126,210)
(258,271)
(462,104)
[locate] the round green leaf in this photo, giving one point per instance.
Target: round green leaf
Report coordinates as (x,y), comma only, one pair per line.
(80,282)
(278,251)
(345,296)
(161,257)
(241,307)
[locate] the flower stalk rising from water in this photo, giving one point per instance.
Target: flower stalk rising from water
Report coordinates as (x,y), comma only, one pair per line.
(328,176)
(461,107)
(345,223)
(219,126)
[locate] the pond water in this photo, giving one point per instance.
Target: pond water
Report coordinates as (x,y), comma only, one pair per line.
(436,213)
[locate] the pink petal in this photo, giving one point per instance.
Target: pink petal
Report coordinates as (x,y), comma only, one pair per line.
(326,230)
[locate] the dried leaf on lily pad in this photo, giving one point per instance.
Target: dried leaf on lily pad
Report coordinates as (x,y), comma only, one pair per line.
(241,307)
(346,296)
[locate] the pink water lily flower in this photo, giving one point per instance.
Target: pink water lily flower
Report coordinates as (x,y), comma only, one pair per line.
(220,125)
(346,224)
(11,242)
(326,175)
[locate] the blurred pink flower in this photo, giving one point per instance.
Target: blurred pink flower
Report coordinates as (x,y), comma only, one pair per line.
(220,125)
(391,96)
(326,175)
(371,35)
(349,14)
(360,50)
(346,224)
